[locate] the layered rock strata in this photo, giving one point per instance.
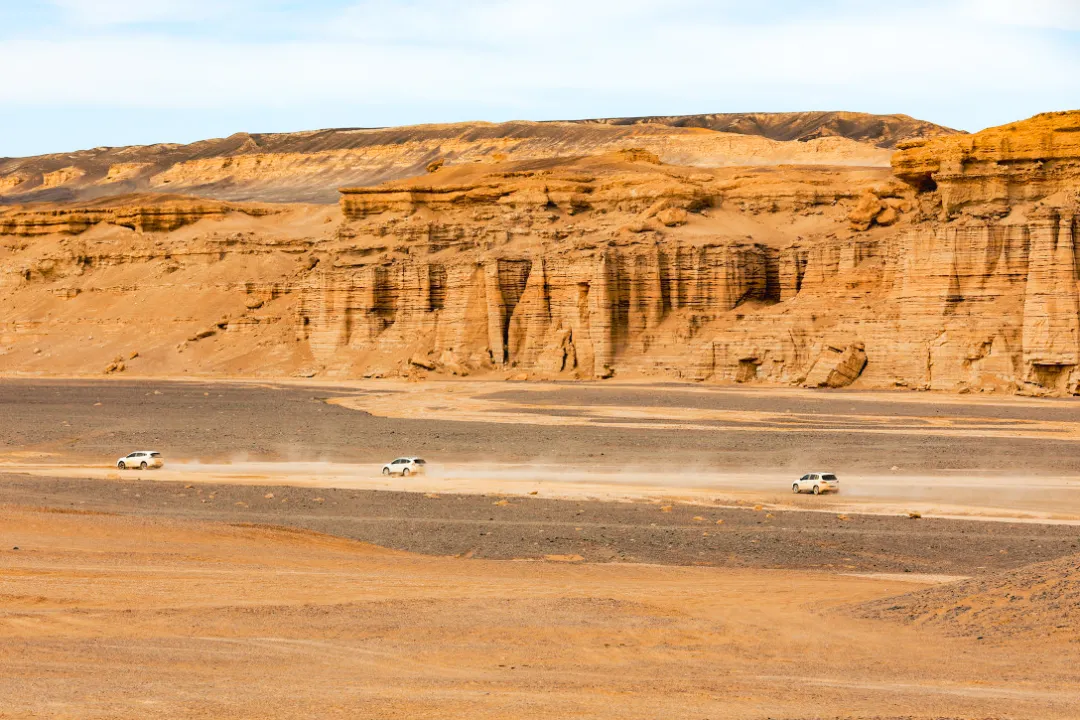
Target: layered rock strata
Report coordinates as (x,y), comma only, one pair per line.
(990,173)
(614,264)
(143,214)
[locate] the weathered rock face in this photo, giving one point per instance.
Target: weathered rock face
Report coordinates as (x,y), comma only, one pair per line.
(548,271)
(613,264)
(989,173)
(576,313)
(153,213)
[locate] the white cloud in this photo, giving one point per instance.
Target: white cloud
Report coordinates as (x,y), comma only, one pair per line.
(691,61)
(498,22)
(1049,14)
(130,12)
(528,56)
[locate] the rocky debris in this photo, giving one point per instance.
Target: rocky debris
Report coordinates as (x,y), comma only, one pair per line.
(672,217)
(1041,600)
(878,207)
(423,363)
(435,165)
(116,366)
(836,367)
(864,214)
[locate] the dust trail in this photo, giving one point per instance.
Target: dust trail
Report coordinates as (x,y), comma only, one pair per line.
(1000,497)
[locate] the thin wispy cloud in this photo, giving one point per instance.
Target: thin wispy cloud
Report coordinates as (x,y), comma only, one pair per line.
(100,13)
(271,63)
(1050,14)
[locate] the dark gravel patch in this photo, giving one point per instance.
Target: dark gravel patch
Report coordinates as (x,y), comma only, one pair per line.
(100,420)
(528,527)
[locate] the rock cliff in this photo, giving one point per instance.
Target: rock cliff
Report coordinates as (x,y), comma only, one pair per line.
(990,173)
(941,273)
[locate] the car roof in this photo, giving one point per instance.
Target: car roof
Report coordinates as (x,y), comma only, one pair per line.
(143,451)
(821,472)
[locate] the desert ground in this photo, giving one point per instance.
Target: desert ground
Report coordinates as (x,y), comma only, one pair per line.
(577,550)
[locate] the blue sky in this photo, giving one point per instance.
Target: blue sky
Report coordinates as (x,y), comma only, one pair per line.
(85,73)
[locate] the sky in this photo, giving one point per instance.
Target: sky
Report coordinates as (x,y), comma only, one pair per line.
(87,73)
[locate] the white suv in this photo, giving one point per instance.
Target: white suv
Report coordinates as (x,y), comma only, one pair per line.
(404,466)
(142,459)
(816,483)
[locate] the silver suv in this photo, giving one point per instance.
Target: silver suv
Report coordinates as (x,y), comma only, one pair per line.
(816,483)
(141,459)
(404,466)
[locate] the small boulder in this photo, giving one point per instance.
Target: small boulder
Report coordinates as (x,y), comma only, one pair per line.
(887,217)
(867,209)
(423,363)
(837,367)
(672,217)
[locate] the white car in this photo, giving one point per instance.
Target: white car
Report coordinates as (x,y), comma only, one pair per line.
(404,466)
(141,459)
(817,483)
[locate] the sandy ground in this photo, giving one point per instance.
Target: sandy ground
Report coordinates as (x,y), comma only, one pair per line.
(662,569)
(118,617)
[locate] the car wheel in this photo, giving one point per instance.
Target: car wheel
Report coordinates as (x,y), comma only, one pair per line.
(405,472)
(795,488)
(386,471)
(142,465)
(121,465)
(817,490)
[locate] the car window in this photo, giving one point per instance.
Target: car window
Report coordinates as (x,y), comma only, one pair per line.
(828,477)
(804,477)
(155,454)
(814,477)
(419,461)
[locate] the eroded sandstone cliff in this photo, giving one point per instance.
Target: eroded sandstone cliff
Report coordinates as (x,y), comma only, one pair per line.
(959,272)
